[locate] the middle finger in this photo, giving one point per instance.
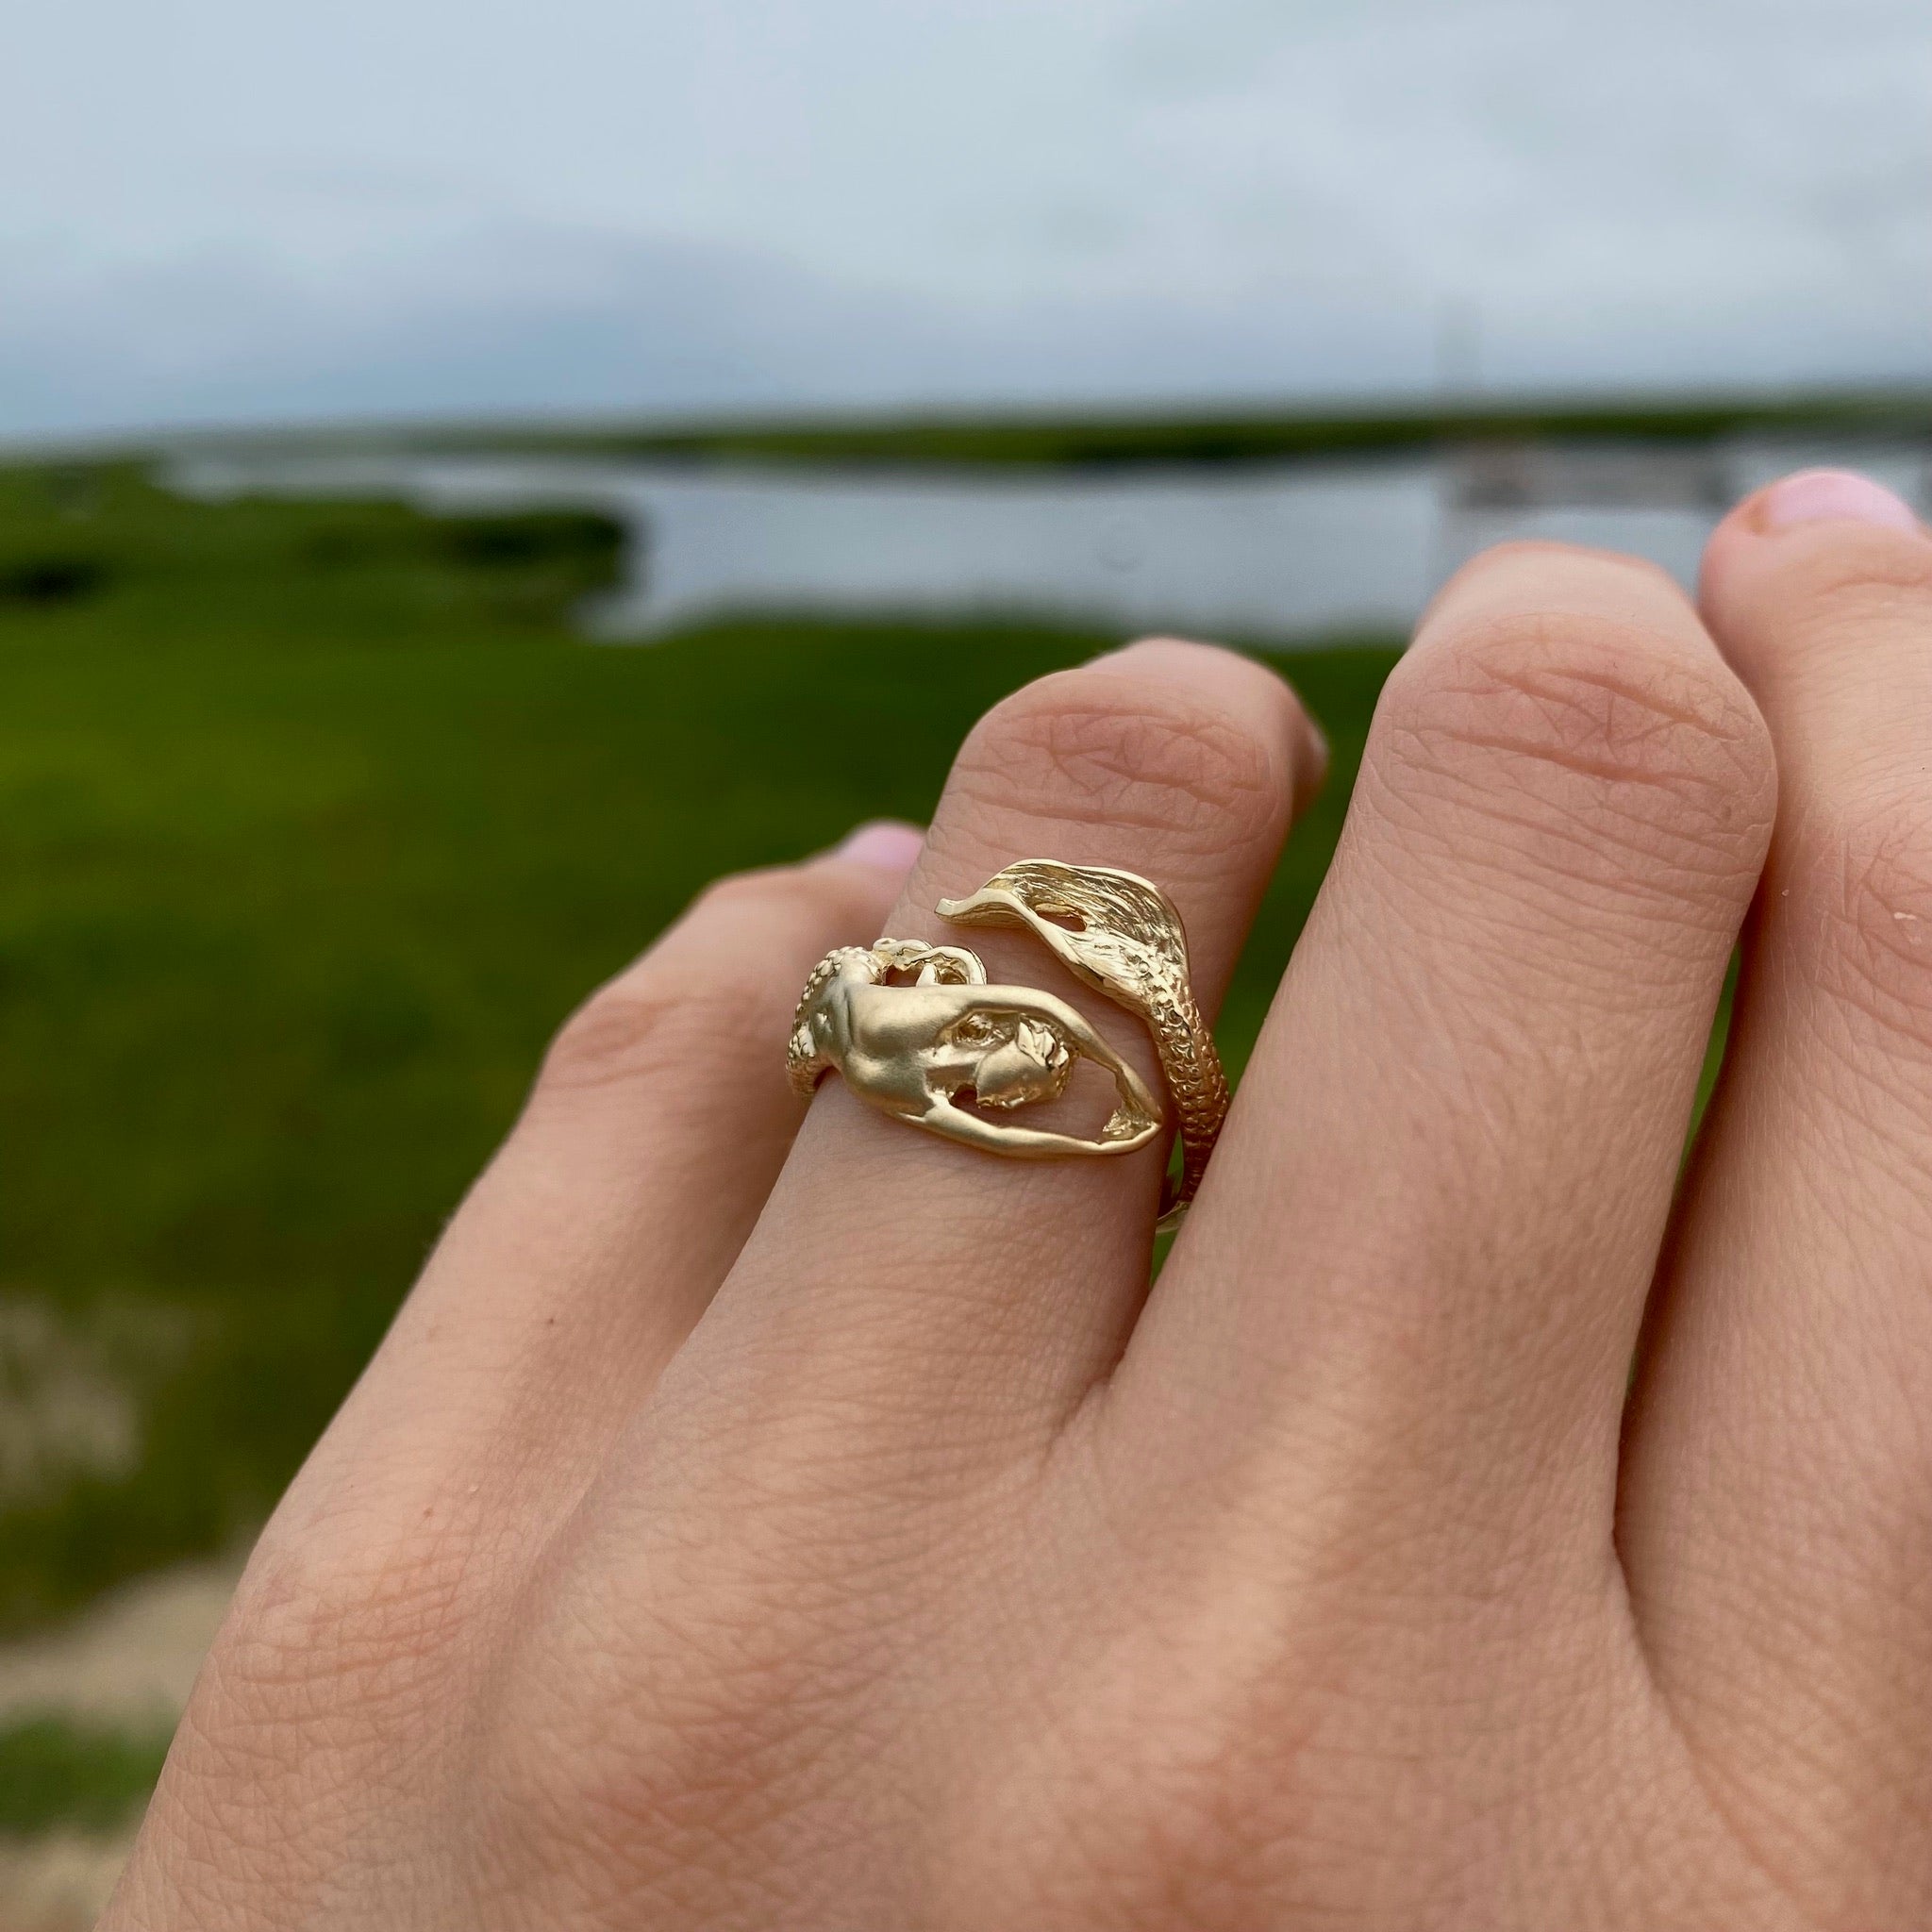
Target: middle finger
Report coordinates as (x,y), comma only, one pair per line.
(1422,1257)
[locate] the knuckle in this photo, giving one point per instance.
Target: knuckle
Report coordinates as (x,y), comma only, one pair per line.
(1515,555)
(1606,731)
(752,914)
(1115,750)
(355,1621)
(331,1662)
(783,891)
(1186,1827)
(669,1774)
(1158,1816)
(643,1025)
(711,987)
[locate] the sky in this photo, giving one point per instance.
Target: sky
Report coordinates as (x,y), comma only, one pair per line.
(227,211)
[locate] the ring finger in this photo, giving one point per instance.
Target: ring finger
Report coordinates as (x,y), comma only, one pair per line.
(926,1279)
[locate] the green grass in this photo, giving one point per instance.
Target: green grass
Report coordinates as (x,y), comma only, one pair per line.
(314,821)
(55,1770)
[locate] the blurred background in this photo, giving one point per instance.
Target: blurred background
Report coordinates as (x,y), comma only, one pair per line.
(470,472)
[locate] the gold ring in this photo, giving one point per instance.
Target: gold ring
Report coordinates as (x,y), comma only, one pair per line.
(912,1045)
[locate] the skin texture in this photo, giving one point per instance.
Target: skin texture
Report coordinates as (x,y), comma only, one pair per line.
(761,1518)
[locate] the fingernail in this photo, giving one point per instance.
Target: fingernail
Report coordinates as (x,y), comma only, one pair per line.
(887,843)
(1825,496)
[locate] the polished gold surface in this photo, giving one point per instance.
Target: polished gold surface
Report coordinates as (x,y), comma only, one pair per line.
(912,1027)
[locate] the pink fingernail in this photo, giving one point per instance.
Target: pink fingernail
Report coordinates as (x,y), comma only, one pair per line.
(887,843)
(1827,496)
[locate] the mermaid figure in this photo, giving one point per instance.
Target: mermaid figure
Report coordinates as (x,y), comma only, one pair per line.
(914,1050)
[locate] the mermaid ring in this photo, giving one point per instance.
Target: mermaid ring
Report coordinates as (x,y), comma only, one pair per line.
(916,1031)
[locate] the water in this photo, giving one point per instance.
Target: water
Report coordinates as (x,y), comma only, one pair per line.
(1289,552)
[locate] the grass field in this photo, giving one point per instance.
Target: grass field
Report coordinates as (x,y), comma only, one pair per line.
(314,821)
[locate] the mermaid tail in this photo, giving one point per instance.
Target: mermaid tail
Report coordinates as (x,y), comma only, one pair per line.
(1122,936)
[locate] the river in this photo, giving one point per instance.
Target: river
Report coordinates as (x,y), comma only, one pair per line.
(1285,552)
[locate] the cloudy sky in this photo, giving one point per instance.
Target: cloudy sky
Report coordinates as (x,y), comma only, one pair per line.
(237,210)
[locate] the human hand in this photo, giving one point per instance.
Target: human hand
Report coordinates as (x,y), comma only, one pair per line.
(756,1525)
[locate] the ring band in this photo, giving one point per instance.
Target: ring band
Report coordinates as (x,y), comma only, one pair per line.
(912,1050)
